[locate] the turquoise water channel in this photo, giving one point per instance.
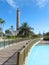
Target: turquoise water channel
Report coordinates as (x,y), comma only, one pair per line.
(39,55)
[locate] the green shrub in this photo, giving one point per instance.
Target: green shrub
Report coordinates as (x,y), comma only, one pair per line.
(46,38)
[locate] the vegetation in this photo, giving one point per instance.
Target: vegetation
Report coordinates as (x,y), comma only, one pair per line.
(36,36)
(25,30)
(8,32)
(46,36)
(2,22)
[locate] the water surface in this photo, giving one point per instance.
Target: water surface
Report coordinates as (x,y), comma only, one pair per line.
(39,55)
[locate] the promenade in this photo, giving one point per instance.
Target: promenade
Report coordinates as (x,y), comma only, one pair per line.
(43,42)
(8,55)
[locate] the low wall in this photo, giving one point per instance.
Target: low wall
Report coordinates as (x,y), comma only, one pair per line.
(8,42)
(23,52)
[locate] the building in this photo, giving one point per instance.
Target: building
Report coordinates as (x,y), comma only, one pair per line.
(17,22)
(18,19)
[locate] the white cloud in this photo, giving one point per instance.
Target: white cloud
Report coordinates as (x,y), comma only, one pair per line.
(20,3)
(42,3)
(11,3)
(39,3)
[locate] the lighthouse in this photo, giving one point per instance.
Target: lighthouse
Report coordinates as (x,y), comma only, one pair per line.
(18,20)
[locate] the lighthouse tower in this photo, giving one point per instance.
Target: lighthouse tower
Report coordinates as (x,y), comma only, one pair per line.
(15,32)
(18,19)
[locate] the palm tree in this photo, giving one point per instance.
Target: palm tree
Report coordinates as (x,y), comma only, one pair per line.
(1,23)
(8,32)
(0,29)
(25,30)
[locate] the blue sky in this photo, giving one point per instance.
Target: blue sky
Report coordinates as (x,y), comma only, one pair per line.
(34,12)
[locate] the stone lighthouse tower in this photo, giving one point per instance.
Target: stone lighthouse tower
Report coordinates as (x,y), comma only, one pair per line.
(18,19)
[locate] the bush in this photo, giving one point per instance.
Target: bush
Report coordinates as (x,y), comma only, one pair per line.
(46,38)
(36,36)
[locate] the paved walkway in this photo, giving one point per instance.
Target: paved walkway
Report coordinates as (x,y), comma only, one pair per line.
(8,55)
(43,42)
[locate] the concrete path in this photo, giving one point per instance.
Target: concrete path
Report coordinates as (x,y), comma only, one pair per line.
(8,55)
(43,42)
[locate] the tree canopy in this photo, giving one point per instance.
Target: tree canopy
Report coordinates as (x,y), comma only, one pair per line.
(1,21)
(8,32)
(25,30)
(1,26)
